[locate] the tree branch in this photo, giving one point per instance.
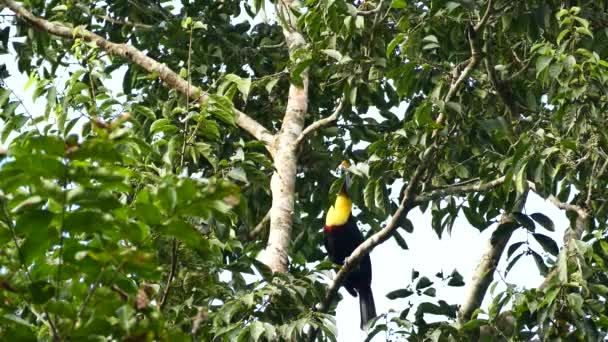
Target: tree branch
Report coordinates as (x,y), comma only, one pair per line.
(457,190)
(484,273)
(136,56)
(373,11)
(259,227)
(163,299)
(485,17)
(561,205)
(320,123)
(124,22)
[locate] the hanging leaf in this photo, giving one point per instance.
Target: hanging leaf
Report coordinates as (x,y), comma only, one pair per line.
(544,221)
(547,243)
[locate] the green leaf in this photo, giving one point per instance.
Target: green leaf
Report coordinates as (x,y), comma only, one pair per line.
(222,108)
(32,221)
(186,233)
(256,329)
(162,125)
(167,197)
(540,263)
(431,292)
(379,199)
(423,282)
(242,84)
(405,223)
(401,293)
(393,44)
(41,292)
(504,230)
(369,194)
(37,243)
(513,248)
(474,218)
(422,116)
(335,54)
(575,302)
(379,327)
(473,324)
(600,289)
(270,85)
(544,221)
(513,262)
(456,279)
(547,243)
(524,220)
(239,174)
(398,4)
(86,221)
(400,240)
(542,62)
(521,184)
(145,111)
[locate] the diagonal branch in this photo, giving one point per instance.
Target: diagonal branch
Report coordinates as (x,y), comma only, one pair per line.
(485,17)
(136,56)
(259,227)
(562,205)
(320,123)
(458,190)
(484,273)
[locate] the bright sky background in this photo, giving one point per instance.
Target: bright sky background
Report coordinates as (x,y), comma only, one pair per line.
(392,266)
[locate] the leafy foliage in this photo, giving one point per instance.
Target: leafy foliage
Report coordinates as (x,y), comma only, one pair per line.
(126,208)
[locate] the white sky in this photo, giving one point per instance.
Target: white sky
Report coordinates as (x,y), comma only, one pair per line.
(392,266)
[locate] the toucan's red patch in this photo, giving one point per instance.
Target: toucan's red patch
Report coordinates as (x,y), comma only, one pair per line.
(331,227)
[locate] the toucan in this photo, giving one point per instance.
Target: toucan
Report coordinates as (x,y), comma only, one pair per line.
(341,236)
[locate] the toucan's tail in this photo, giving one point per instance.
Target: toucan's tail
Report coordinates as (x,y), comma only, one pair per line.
(367,307)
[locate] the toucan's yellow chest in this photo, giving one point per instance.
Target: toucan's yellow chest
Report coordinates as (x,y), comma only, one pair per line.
(338,214)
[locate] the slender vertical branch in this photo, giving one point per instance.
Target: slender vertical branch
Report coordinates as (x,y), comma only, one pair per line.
(163,299)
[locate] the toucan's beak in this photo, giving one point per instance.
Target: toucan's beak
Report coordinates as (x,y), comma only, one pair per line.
(343,169)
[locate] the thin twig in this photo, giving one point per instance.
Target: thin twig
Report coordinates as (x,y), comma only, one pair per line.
(125,22)
(259,227)
(320,123)
(485,17)
(458,190)
(163,299)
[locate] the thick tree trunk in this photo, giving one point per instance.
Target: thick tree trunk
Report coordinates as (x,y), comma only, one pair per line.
(283,182)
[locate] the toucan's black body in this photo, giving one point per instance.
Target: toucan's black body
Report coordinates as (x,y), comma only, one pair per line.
(340,241)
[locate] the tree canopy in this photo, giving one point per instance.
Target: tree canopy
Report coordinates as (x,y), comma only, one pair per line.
(172,182)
